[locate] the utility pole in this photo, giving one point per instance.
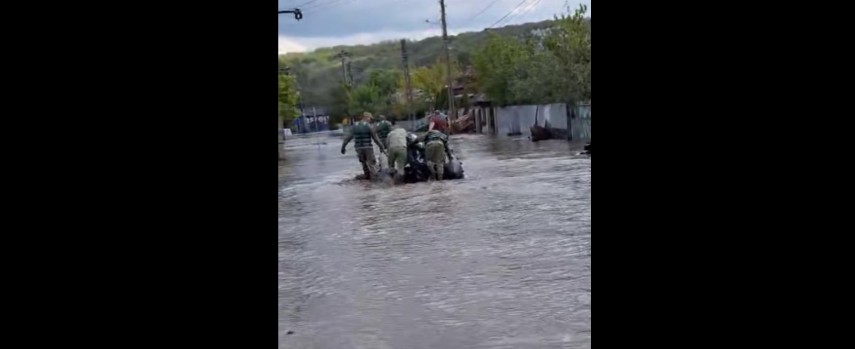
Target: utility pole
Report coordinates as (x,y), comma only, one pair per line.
(343,55)
(406,63)
(349,74)
(452,115)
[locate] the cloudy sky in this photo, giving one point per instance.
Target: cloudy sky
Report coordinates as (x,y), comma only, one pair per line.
(356,22)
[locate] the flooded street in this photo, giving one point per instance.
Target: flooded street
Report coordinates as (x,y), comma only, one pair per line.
(500,259)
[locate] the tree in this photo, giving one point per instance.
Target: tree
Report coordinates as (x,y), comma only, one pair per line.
(464,58)
(570,42)
(546,65)
(499,64)
(319,72)
(287,98)
(431,81)
(385,81)
(537,82)
(339,106)
(366,97)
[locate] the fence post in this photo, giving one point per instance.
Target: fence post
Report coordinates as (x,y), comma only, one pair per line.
(477,115)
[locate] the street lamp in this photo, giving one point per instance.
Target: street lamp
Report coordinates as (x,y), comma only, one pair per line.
(298,15)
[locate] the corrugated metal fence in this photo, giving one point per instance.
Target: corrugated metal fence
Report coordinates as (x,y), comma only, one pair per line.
(580,123)
(517,120)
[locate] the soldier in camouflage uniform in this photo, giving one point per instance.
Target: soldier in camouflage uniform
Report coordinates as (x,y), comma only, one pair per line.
(436,151)
(397,151)
(383,128)
(363,134)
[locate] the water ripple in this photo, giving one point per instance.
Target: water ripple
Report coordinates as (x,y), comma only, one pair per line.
(500,259)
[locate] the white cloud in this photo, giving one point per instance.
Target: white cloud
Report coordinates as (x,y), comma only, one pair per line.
(343,24)
(289,45)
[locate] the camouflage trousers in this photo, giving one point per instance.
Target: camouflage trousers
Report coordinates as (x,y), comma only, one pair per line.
(435,154)
(398,159)
(368,161)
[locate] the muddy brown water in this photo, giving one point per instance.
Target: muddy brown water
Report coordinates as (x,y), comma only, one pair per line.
(500,259)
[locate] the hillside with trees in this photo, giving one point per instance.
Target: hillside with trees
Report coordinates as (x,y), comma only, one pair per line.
(539,62)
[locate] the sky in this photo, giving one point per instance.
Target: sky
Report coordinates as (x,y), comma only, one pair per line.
(361,22)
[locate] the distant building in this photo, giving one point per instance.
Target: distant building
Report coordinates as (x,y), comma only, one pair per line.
(312,119)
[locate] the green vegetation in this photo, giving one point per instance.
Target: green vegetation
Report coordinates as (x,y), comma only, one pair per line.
(552,65)
(431,81)
(542,62)
(287,98)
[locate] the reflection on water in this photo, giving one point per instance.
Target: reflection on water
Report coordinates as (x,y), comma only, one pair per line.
(501,259)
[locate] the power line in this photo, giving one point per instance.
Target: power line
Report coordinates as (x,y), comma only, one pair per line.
(301,6)
(516,13)
(482,11)
(522,14)
(324,5)
(310,1)
(393,3)
(509,13)
(329,7)
(311,5)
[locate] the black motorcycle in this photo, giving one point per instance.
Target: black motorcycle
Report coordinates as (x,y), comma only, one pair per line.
(416,169)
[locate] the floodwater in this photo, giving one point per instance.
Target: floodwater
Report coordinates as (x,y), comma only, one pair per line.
(501,259)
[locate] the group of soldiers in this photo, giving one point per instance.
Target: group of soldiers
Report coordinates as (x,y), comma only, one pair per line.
(392,141)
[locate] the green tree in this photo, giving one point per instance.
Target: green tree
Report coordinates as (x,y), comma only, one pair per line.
(499,64)
(386,80)
(570,42)
(464,58)
(339,105)
(366,97)
(386,83)
(431,80)
(551,64)
(287,98)
(537,82)
(319,72)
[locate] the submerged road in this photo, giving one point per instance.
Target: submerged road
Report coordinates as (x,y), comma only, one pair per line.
(501,259)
